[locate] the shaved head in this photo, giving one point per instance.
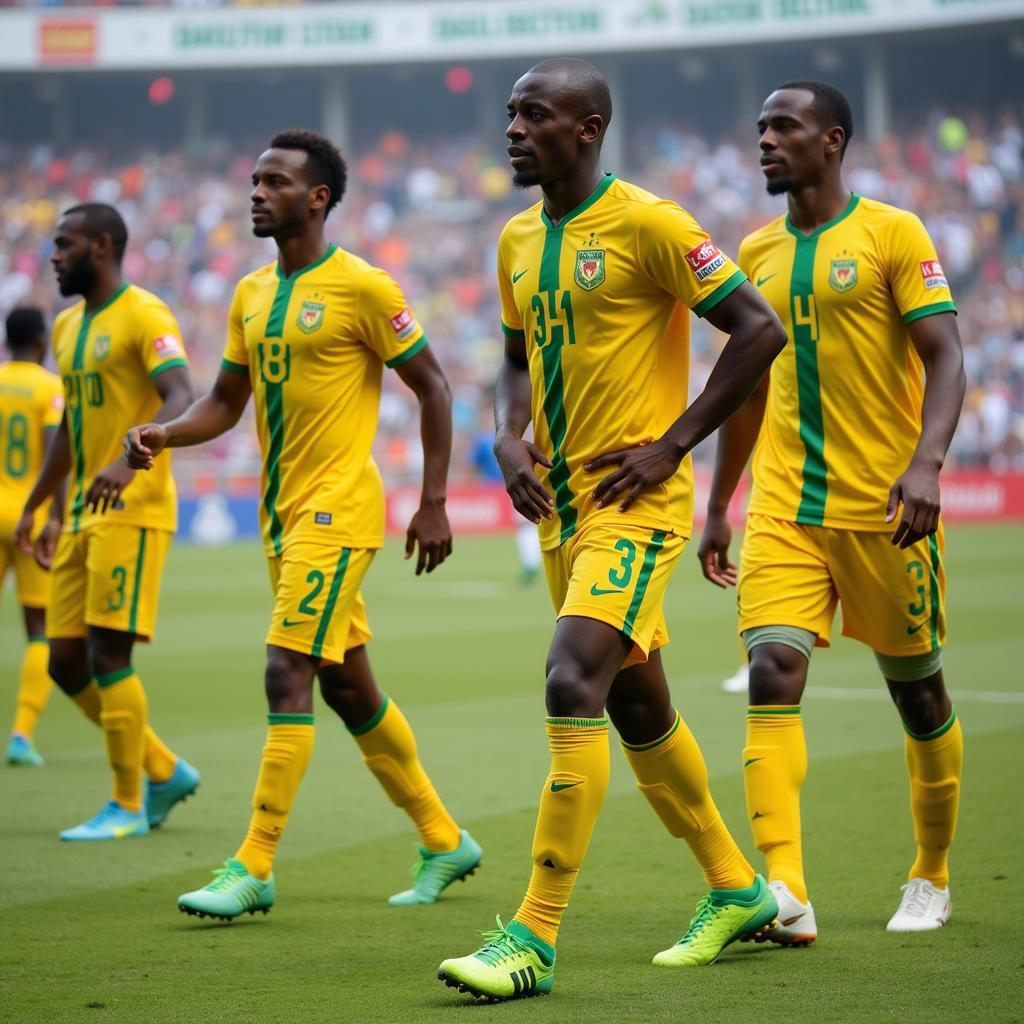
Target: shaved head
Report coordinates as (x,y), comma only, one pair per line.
(584,88)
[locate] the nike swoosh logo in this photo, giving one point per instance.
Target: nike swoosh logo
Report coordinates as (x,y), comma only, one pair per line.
(246,319)
(557,787)
(791,920)
(753,760)
(287,623)
(911,630)
(756,815)
(599,591)
(765,280)
(515,277)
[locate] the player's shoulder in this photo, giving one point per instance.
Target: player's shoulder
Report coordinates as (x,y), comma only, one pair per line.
(61,320)
(767,234)
(520,223)
(259,278)
(885,216)
(140,302)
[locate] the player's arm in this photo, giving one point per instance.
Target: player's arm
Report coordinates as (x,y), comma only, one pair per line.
(429,527)
(736,439)
(937,341)
(756,337)
(516,457)
(49,484)
(209,417)
(174,386)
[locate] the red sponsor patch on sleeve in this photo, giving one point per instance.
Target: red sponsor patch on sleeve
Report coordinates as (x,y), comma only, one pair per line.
(57,403)
(705,259)
(167,345)
(404,324)
(933,274)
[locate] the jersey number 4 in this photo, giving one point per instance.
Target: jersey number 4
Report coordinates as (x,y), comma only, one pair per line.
(549,328)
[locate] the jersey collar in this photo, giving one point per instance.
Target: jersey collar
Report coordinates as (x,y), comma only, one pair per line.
(306,269)
(602,187)
(850,207)
(104,305)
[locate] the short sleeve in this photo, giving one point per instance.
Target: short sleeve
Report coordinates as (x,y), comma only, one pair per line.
(678,255)
(916,278)
(236,356)
(511,319)
(53,404)
(386,324)
(160,338)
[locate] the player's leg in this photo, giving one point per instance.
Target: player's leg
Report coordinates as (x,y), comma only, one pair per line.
(908,586)
(388,745)
(34,686)
(787,601)
(672,776)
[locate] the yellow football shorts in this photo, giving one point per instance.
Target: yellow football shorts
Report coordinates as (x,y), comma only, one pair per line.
(107,575)
(31,581)
(893,600)
(318,608)
(616,574)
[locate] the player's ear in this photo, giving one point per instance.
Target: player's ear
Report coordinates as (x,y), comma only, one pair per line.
(834,139)
(102,245)
(591,129)
(319,197)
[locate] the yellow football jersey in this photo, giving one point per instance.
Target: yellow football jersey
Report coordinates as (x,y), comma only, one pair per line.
(108,359)
(844,405)
(314,345)
(31,402)
(602,300)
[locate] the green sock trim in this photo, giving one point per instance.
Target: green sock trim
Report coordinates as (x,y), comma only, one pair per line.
(79,689)
(544,949)
(110,678)
(781,709)
(746,895)
(373,721)
(579,723)
(289,719)
(38,640)
(658,742)
(942,730)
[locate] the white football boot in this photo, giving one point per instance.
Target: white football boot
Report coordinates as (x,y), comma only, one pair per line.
(796,926)
(736,683)
(923,908)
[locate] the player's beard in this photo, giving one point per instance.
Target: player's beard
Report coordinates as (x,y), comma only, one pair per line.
(525,179)
(778,186)
(79,279)
(292,222)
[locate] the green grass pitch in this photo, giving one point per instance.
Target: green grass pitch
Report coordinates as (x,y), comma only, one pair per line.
(92,933)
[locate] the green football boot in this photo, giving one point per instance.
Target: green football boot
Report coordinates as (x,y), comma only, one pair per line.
(233,891)
(21,750)
(434,872)
(723,916)
(512,963)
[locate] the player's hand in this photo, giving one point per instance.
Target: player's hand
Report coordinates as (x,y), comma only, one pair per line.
(23,532)
(429,529)
(46,543)
(108,486)
(143,444)
(639,469)
(713,552)
(517,458)
(917,490)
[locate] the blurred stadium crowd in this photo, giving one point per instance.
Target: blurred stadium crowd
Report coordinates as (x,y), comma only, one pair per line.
(431,214)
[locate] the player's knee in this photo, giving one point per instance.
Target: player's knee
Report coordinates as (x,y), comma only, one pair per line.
(777,674)
(923,704)
(569,692)
(288,679)
(67,667)
(103,661)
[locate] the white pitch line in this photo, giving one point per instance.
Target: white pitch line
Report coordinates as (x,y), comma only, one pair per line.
(959,696)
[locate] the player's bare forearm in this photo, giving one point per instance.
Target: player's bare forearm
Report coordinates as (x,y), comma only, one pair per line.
(424,377)
(174,386)
(213,414)
(736,439)
(756,337)
(937,341)
(56,467)
(512,392)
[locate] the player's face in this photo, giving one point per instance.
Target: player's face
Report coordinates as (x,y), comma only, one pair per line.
(280,194)
(791,140)
(543,131)
(72,259)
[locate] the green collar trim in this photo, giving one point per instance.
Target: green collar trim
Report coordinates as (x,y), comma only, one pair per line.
(305,270)
(850,207)
(602,187)
(88,315)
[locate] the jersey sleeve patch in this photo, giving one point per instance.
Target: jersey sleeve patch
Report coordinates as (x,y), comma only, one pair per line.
(933,274)
(705,259)
(404,324)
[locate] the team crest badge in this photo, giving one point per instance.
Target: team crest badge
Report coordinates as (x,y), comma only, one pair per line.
(311,316)
(101,348)
(843,275)
(589,268)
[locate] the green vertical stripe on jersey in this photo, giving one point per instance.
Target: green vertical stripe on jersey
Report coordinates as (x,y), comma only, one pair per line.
(643,579)
(936,597)
(554,390)
(273,406)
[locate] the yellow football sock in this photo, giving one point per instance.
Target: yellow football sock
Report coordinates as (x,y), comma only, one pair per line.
(158,759)
(34,686)
(935,763)
(569,803)
(286,754)
(671,774)
(123,712)
(774,768)
(389,751)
